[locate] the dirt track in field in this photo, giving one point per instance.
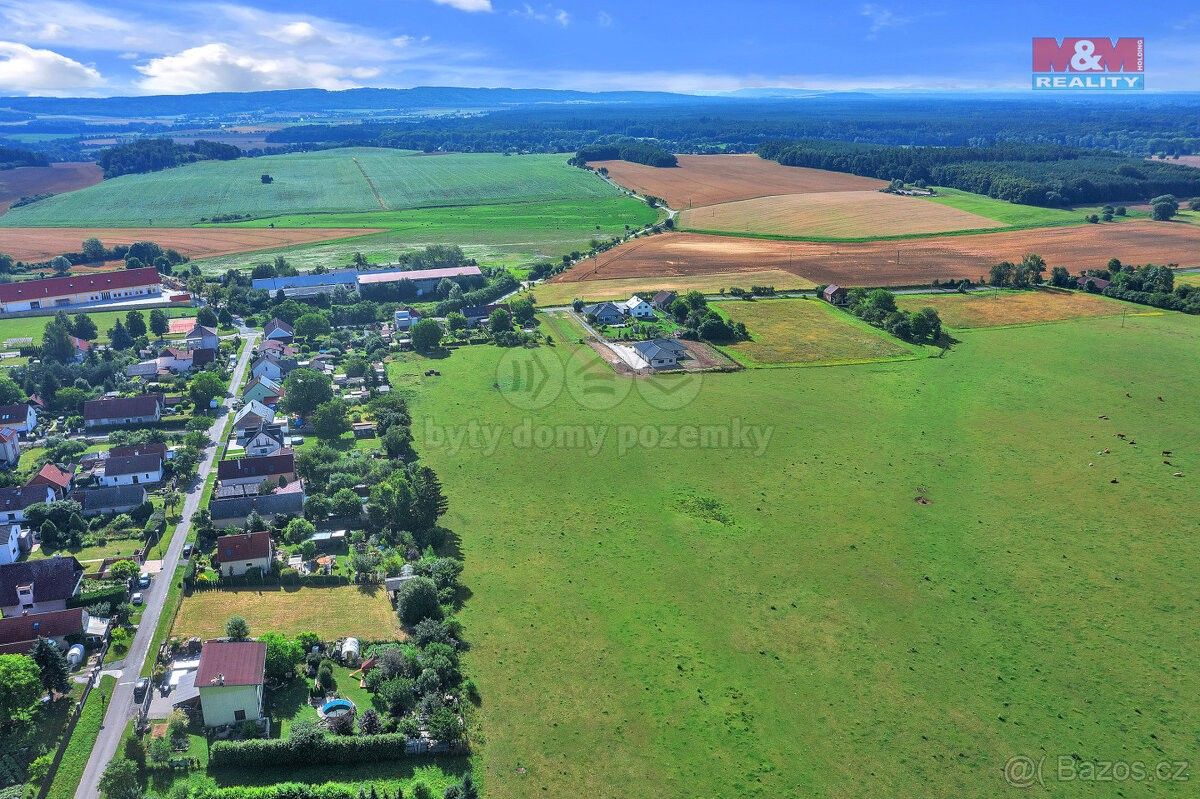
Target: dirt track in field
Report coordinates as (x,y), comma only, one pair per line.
(895,263)
(710,179)
(834,214)
(28,181)
(42,243)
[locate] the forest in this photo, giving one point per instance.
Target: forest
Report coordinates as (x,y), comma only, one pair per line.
(13,157)
(1046,175)
(153,155)
(632,150)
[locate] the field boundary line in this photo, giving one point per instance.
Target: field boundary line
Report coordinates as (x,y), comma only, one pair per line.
(370,184)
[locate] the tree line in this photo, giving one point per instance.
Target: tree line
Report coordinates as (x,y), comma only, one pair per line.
(154,155)
(632,150)
(13,157)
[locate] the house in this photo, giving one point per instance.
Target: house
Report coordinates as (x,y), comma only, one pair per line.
(660,353)
(55,477)
(268,439)
(39,586)
(10,543)
(261,389)
(278,348)
(20,417)
(663,300)
(1097,283)
(14,501)
(113,499)
(638,308)
(82,348)
(63,292)
(606,313)
(405,318)
(143,369)
(151,448)
(141,409)
(230,680)
(251,416)
(278,330)
(232,504)
(124,470)
(478,313)
(10,447)
(238,554)
(201,337)
(834,295)
(272,366)
(252,471)
(18,634)
(363,429)
(175,359)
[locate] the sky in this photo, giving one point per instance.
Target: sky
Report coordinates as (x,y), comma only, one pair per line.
(131,47)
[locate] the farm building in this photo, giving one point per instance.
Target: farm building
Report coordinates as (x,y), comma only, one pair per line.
(65,292)
(142,409)
(14,501)
(834,295)
(230,680)
(425,280)
(39,586)
(237,554)
(660,353)
(114,499)
(20,417)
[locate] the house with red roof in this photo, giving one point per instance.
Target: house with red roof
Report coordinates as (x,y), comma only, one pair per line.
(89,289)
(54,476)
(230,679)
(237,554)
(18,634)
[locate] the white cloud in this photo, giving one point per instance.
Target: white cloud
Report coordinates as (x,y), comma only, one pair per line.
(881,18)
(604,19)
(545,14)
(301,32)
(29,70)
(217,67)
(562,18)
(467,5)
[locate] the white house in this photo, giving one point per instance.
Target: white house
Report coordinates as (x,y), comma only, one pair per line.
(175,360)
(636,307)
(405,319)
(238,554)
(20,417)
(132,470)
(10,447)
(230,679)
(278,330)
(41,585)
(14,501)
(251,416)
(201,337)
(10,543)
(272,366)
(268,439)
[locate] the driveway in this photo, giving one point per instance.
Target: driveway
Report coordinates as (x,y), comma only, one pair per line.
(121,707)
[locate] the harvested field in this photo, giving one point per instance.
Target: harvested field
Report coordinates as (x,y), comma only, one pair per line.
(835,214)
(40,243)
(549,294)
(27,181)
(710,179)
(1187,160)
(330,612)
(893,263)
(804,331)
(999,308)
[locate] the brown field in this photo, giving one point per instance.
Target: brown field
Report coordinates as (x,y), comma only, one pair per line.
(711,179)
(893,263)
(330,612)
(1189,160)
(42,243)
(27,181)
(835,214)
(997,308)
(549,294)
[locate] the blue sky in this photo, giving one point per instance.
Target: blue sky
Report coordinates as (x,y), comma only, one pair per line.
(87,47)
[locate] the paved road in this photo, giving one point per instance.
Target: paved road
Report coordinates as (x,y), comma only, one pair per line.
(120,705)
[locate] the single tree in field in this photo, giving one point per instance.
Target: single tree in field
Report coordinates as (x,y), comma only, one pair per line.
(237,628)
(426,336)
(93,250)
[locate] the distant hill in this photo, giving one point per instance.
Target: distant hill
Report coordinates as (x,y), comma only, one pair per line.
(317,100)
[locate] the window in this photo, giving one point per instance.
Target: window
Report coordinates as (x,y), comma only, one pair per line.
(239,715)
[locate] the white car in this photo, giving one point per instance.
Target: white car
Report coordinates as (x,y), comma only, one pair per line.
(136,598)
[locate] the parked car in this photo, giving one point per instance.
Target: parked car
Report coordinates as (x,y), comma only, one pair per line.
(187,551)
(139,689)
(136,598)
(144,581)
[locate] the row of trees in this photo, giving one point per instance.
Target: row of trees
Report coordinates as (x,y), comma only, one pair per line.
(638,151)
(877,307)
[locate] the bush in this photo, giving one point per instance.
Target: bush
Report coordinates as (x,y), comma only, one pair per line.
(418,600)
(324,750)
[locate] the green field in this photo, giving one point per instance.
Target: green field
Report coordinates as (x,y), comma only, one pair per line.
(1013,213)
(792,621)
(343,180)
(32,326)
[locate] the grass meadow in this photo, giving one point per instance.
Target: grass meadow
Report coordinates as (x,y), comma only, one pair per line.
(927,569)
(1000,308)
(32,326)
(330,612)
(341,180)
(1015,214)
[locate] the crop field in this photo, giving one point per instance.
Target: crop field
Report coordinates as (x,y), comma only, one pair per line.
(895,263)
(997,308)
(1015,214)
(1187,278)
(548,294)
(834,215)
(800,331)
(711,179)
(342,180)
(884,581)
(41,244)
(32,326)
(330,612)
(26,181)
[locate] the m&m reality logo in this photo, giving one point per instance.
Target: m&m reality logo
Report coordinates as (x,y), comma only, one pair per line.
(1092,62)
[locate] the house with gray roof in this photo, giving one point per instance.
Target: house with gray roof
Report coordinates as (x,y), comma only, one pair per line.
(660,353)
(606,313)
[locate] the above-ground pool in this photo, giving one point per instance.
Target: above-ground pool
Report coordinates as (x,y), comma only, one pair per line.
(335,708)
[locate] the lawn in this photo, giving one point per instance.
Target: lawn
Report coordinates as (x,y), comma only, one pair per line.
(32,326)
(804,331)
(742,620)
(996,308)
(327,181)
(1016,214)
(83,738)
(330,612)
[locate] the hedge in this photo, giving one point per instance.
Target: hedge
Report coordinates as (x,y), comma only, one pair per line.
(283,790)
(116,594)
(326,751)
